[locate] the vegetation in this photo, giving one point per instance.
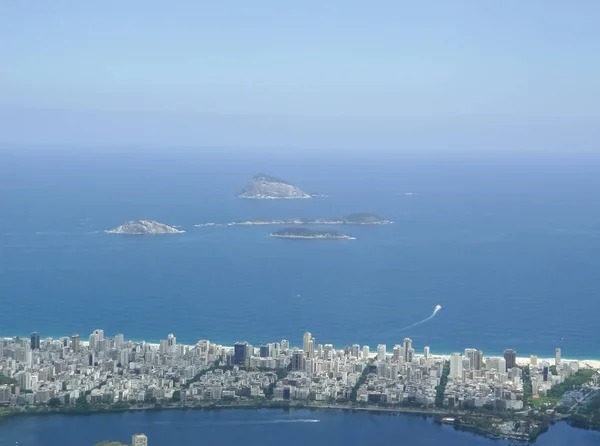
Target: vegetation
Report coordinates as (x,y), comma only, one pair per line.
(441,388)
(268,178)
(588,416)
(363,217)
(53,402)
(196,378)
(269,391)
(527,389)
(573,382)
(6,380)
(360,382)
(304,232)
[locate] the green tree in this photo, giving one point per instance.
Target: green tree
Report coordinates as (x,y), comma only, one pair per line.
(7,380)
(441,389)
(176,396)
(53,402)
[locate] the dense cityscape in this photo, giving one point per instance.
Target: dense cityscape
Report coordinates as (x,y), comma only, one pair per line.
(119,374)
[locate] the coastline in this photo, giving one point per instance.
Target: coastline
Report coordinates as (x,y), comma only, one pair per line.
(590,363)
(441,416)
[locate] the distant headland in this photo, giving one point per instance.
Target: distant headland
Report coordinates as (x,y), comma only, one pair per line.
(303,233)
(362,218)
(267,187)
(144,227)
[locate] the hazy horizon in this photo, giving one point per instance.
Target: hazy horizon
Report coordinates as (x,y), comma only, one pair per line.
(341,75)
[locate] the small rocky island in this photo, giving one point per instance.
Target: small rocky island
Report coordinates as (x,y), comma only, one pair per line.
(362,218)
(266,187)
(303,233)
(144,227)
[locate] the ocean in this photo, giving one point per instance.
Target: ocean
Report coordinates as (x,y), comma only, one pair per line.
(265,427)
(508,245)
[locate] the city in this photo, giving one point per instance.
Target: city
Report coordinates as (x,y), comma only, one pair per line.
(113,373)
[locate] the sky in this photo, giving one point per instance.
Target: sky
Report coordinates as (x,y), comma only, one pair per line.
(330,73)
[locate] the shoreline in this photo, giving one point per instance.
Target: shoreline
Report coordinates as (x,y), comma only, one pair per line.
(439,416)
(593,363)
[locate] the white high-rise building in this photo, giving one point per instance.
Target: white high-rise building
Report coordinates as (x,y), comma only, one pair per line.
(124,359)
(557,358)
(306,343)
(311,348)
(171,339)
(470,355)
(119,340)
(355,350)
(407,346)
(139,440)
(456,366)
(381,352)
(396,352)
(163,348)
(502,366)
(366,352)
(426,353)
(99,334)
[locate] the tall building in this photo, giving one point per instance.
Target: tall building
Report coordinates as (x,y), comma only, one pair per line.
(35,340)
(478,360)
(381,352)
(119,340)
(240,353)
(265,351)
(171,340)
(502,365)
(297,360)
(307,346)
(456,366)
(163,346)
(285,344)
(533,360)
(75,343)
(407,346)
(366,352)
(510,356)
(470,355)
(139,440)
(426,353)
(355,350)
(396,353)
(557,357)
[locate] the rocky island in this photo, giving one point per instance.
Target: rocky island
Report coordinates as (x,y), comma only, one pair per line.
(266,187)
(144,227)
(362,218)
(302,233)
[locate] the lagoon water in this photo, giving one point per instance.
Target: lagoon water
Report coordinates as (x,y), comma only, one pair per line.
(508,245)
(260,427)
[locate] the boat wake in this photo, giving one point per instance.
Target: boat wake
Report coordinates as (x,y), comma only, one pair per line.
(435,311)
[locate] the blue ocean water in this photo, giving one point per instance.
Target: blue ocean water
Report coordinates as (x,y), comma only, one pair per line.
(508,244)
(268,427)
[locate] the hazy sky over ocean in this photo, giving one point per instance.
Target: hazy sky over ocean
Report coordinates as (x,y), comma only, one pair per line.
(301,74)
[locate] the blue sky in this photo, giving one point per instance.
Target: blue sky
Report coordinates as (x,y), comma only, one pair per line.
(262,72)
